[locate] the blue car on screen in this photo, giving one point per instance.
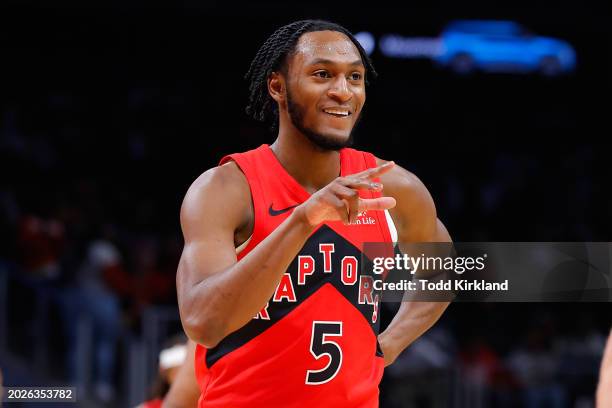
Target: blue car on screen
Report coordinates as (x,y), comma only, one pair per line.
(502,46)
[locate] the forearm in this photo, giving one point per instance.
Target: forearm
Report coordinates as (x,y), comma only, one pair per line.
(410,322)
(226,301)
(418,312)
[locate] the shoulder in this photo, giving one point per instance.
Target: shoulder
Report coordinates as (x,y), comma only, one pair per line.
(222,191)
(226,179)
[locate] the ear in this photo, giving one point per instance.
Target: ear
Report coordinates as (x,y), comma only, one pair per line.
(276,87)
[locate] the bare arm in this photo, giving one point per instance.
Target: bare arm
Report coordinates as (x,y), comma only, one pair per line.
(416,221)
(184,391)
(217,294)
(604,390)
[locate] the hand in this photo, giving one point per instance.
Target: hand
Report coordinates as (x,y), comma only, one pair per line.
(389,353)
(340,200)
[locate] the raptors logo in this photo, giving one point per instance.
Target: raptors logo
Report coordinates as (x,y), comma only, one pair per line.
(307,267)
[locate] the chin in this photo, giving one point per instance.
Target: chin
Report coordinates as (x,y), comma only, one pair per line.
(327,139)
(335,134)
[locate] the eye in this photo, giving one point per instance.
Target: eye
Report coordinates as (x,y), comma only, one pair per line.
(322,74)
(356,76)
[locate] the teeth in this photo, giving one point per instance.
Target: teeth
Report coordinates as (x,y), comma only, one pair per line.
(337,112)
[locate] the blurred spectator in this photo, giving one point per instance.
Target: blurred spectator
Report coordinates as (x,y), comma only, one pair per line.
(151,283)
(536,367)
(580,354)
(185,391)
(94,303)
(483,369)
(426,366)
(171,358)
(40,243)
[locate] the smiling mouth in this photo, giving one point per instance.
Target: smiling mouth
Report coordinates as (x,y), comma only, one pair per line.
(338,113)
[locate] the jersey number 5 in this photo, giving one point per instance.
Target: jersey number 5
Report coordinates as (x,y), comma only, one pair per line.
(320,346)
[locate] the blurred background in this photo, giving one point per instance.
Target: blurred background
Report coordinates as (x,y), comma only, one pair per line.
(109,110)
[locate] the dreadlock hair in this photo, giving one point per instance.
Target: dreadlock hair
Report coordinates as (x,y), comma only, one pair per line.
(273,55)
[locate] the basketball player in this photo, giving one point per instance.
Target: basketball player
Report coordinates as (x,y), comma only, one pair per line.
(268,282)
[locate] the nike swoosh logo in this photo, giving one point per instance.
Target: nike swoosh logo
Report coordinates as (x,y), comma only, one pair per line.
(274,212)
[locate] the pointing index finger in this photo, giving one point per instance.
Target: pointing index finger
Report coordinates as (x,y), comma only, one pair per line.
(376,171)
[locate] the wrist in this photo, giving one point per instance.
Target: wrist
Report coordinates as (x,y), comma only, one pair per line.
(390,352)
(299,218)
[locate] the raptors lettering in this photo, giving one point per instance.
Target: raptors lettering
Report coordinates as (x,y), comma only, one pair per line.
(307,266)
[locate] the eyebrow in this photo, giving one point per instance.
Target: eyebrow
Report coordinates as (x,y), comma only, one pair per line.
(327,61)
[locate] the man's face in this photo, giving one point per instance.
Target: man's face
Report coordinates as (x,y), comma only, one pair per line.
(325,88)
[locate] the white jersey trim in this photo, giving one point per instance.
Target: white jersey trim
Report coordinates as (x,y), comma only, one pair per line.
(391,225)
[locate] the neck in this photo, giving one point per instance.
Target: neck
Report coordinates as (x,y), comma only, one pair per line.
(308,164)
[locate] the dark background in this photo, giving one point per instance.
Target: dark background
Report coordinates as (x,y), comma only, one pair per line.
(110,110)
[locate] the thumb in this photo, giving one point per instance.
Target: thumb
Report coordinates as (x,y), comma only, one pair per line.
(377,204)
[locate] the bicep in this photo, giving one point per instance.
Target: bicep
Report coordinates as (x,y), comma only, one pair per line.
(441,234)
(415,213)
(208,225)
(202,258)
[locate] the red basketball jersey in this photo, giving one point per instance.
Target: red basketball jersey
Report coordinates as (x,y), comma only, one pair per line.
(315,342)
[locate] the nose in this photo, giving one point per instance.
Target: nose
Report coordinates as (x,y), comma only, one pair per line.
(340,90)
